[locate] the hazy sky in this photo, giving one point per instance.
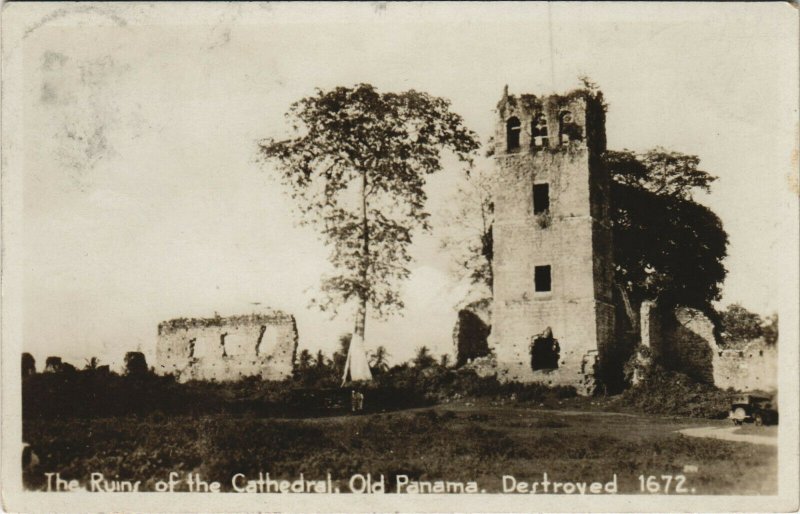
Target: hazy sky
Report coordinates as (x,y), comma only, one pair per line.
(143,201)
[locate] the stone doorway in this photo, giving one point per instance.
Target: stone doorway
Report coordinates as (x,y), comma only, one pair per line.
(545,351)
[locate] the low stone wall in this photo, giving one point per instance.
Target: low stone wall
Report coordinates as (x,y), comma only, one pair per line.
(753,367)
(584,380)
(231,348)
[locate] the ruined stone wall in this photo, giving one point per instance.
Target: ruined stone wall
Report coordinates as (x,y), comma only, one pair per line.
(471,330)
(573,238)
(683,340)
(688,344)
(231,348)
(650,326)
(753,367)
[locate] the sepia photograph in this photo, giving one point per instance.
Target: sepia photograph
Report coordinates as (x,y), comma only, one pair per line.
(412,256)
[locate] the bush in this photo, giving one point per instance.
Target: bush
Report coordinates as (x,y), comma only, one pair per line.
(637,364)
(91,393)
(668,392)
(313,392)
(437,384)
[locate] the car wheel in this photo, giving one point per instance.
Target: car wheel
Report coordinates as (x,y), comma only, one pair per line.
(759,420)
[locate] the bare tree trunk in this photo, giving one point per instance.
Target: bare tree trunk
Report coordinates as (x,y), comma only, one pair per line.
(361,318)
(361,313)
(632,315)
(356,365)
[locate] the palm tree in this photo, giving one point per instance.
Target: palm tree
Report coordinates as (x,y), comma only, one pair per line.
(320,361)
(423,358)
(378,360)
(304,360)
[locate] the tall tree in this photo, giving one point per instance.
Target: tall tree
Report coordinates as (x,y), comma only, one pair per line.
(667,246)
(357,166)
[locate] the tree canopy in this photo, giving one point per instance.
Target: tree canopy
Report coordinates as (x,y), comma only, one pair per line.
(666,245)
(357,167)
(740,325)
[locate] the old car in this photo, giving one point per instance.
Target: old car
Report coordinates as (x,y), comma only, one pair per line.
(759,410)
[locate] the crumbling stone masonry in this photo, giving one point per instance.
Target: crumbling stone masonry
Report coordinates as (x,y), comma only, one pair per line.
(553,312)
(230,348)
(471,331)
(754,367)
(683,339)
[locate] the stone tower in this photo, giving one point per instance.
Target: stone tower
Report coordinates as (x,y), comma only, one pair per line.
(553,319)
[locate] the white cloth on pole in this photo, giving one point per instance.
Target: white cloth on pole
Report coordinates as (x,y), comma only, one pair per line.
(356,365)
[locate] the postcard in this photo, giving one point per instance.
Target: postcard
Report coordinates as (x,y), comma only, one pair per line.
(412,256)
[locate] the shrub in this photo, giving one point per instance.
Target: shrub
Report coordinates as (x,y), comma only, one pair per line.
(314,391)
(637,364)
(135,363)
(668,392)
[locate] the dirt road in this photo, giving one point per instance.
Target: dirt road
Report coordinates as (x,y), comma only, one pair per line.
(727,434)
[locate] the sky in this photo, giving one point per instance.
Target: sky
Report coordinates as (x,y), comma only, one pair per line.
(142,198)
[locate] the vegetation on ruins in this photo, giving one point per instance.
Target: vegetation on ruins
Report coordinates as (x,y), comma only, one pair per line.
(356,166)
(265,318)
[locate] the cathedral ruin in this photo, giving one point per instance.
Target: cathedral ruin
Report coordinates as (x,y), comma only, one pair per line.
(553,314)
(231,348)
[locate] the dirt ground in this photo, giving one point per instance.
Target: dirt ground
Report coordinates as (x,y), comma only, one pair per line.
(463,441)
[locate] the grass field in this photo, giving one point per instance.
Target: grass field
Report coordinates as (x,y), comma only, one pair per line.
(459,442)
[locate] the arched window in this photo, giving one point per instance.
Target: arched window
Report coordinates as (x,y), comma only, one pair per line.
(539,131)
(567,128)
(512,134)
